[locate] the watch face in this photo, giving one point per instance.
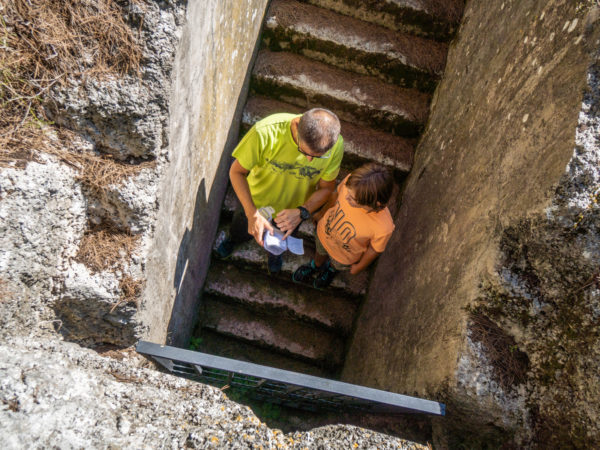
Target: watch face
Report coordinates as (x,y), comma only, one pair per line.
(304,214)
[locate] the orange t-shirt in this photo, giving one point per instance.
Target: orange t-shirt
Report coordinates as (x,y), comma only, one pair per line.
(346,231)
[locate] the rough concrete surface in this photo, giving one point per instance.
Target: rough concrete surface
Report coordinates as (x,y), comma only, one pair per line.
(209,82)
(495,186)
(59,395)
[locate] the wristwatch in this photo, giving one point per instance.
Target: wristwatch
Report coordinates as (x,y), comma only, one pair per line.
(304,214)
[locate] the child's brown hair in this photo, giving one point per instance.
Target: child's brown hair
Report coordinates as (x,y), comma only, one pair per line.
(372,185)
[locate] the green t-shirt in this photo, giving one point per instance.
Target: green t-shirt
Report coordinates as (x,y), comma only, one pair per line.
(280,176)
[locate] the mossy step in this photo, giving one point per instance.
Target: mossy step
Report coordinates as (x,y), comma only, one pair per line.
(250,255)
(361,144)
(274,332)
(361,99)
(354,45)
(214,343)
(437,19)
(264,294)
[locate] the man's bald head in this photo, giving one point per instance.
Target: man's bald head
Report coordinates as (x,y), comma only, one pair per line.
(319,128)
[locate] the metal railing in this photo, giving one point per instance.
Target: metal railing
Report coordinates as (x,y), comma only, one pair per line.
(284,387)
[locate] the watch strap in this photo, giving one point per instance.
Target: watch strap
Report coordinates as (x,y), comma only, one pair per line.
(304,213)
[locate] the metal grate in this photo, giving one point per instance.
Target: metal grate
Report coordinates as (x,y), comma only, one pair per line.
(284,387)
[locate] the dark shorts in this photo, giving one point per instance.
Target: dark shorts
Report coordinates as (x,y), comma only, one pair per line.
(321,251)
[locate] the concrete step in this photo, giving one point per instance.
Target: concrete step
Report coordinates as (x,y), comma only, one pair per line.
(274,332)
(354,45)
(437,19)
(262,293)
(361,144)
(229,347)
(251,256)
(361,99)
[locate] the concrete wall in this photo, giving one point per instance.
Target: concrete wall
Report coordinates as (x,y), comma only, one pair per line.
(499,139)
(209,87)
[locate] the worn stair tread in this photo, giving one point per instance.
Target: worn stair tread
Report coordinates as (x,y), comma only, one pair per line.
(291,300)
(250,254)
(355,45)
(229,347)
(437,19)
(356,98)
(278,333)
(360,143)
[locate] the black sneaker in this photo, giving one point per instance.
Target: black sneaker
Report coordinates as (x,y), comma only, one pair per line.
(304,272)
(274,263)
(225,249)
(325,276)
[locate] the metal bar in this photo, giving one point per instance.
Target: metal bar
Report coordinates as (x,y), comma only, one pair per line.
(379,401)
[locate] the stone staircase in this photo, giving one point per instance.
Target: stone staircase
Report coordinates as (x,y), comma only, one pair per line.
(375,63)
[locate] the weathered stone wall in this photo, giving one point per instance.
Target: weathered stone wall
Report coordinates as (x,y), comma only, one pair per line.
(209,85)
(500,138)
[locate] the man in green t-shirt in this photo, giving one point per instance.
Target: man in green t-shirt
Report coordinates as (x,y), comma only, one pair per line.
(288,162)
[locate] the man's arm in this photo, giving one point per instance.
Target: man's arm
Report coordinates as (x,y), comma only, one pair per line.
(288,219)
(256,222)
(367,258)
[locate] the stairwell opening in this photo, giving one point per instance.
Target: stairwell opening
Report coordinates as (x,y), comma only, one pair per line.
(244,314)
(377,69)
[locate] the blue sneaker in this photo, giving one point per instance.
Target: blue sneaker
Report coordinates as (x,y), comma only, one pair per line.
(225,249)
(304,272)
(325,276)
(274,263)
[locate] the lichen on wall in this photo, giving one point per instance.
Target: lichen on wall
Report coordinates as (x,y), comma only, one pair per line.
(547,293)
(481,207)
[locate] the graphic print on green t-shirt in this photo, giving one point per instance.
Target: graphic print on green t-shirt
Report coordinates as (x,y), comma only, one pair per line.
(280,176)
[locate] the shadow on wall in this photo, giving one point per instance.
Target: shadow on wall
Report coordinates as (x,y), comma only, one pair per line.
(193,256)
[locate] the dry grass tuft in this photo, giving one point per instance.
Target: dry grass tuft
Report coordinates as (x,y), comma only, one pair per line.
(45,42)
(131,289)
(508,362)
(104,246)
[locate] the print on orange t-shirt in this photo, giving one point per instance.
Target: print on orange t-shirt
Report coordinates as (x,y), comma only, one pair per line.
(346,231)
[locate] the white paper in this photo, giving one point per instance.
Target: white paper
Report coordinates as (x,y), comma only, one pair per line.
(295,245)
(275,244)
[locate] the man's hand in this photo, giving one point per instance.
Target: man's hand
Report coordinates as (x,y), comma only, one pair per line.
(287,221)
(256,227)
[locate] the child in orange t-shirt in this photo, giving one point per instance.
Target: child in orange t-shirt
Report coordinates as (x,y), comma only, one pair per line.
(354,227)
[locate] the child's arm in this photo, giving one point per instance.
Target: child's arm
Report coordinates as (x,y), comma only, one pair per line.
(367,258)
(330,202)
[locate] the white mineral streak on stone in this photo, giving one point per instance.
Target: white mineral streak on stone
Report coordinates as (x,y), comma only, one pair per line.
(581,181)
(476,379)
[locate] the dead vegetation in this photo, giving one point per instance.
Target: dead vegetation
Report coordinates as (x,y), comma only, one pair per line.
(508,362)
(104,246)
(48,42)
